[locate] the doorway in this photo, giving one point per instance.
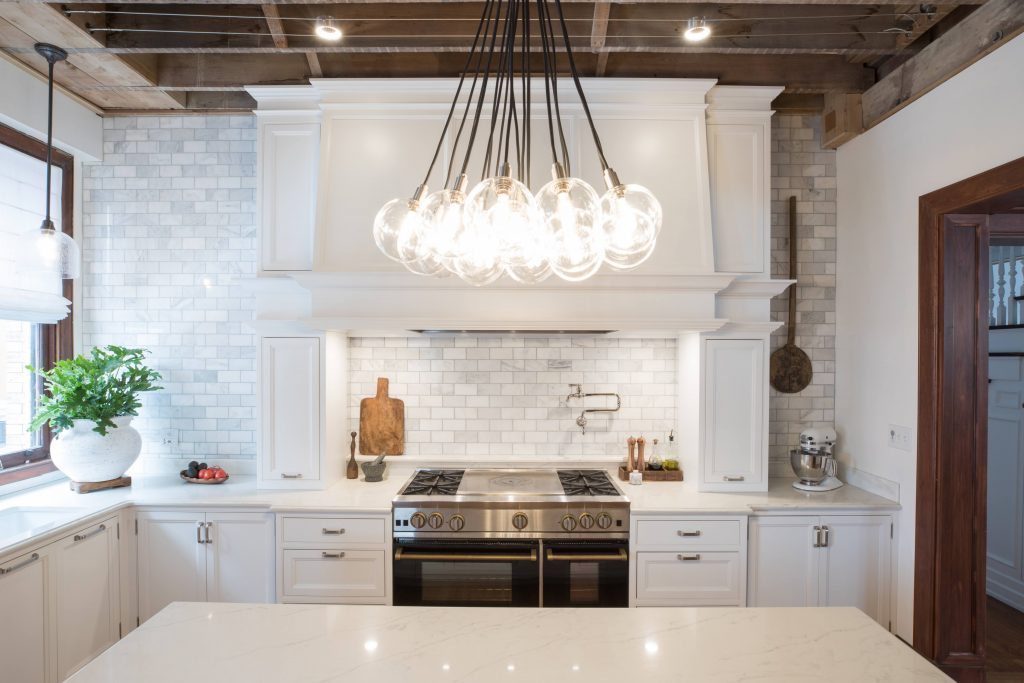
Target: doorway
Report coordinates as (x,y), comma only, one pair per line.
(961,226)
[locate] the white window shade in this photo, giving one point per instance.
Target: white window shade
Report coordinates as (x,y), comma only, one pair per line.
(31,296)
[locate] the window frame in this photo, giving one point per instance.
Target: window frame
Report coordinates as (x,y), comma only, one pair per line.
(57,340)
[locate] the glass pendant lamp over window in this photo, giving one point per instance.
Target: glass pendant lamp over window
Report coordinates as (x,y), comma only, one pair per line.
(498,226)
(46,248)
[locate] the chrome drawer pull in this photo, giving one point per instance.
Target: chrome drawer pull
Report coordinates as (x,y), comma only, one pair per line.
(332,532)
(689,557)
(689,533)
(199,533)
(817,537)
(16,567)
(291,476)
(728,478)
(619,556)
(332,556)
(100,529)
(400,555)
(206,535)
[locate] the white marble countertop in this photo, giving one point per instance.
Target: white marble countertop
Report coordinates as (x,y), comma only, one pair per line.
(360,497)
(199,642)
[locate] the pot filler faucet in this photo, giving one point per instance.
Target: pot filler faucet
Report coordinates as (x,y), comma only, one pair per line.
(576,391)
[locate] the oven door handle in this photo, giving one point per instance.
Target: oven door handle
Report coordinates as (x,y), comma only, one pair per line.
(464,557)
(619,556)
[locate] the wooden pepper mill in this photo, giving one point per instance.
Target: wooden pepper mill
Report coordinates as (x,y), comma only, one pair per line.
(640,443)
(631,465)
(352,470)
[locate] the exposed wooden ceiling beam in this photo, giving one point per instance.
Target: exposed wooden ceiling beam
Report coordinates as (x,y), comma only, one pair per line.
(315,70)
(599,34)
(413,2)
(275,25)
(989,27)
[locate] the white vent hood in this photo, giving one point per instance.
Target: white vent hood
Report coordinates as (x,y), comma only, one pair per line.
(331,153)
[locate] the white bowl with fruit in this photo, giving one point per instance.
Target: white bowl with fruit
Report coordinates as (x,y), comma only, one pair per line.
(201,473)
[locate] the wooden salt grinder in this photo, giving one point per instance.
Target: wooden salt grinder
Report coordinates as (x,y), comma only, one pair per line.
(352,470)
(640,443)
(631,442)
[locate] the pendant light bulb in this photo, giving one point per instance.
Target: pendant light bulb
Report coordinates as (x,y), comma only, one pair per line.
(697,30)
(571,211)
(443,215)
(631,222)
(399,227)
(326,29)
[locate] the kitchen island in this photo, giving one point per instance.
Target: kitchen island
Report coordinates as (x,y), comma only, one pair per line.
(199,642)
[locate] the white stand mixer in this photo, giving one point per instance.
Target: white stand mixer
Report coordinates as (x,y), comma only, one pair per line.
(813,463)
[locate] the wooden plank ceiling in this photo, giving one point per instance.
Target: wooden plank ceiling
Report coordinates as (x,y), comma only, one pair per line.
(153,57)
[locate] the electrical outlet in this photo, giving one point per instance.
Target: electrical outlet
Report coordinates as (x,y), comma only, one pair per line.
(168,437)
(899,437)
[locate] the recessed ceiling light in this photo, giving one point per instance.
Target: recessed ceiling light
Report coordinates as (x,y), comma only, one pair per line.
(326,29)
(697,30)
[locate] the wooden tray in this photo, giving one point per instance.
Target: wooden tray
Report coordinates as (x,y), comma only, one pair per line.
(90,486)
(203,481)
(653,475)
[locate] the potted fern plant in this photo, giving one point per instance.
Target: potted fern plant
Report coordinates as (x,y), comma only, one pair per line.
(89,404)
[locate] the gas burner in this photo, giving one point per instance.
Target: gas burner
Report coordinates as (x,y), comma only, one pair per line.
(587,483)
(434,483)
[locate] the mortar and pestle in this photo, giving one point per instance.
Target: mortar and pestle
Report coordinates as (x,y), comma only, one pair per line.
(374,471)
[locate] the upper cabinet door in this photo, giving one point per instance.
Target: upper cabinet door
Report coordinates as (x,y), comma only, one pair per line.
(784,563)
(240,557)
(738,162)
(290,405)
(172,560)
(734,422)
(859,565)
(24,604)
(288,168)
(86,595)
(1005,523)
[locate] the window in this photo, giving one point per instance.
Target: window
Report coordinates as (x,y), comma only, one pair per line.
(25,454)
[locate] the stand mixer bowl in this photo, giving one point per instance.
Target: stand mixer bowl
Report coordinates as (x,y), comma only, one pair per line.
(812,468)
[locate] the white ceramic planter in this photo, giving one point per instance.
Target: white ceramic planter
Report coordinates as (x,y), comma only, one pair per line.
(85,455)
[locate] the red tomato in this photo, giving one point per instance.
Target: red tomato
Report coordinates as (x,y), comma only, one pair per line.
(204,474)
(218,473)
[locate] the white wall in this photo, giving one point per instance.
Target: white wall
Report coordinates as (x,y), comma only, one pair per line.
(969,124)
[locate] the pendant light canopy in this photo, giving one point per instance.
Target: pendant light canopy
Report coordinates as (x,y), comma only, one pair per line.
(46,248)
(498,226)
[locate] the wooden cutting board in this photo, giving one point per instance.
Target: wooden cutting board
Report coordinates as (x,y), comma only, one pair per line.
(381,423)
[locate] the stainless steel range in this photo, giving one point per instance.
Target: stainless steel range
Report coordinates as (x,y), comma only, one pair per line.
(512,537)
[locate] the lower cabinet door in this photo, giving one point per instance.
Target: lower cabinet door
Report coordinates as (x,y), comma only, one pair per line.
(239,557)
(334,573)
(688,578)
(783,562)
(24,603)
(859,565)
(172,559)
(86,592)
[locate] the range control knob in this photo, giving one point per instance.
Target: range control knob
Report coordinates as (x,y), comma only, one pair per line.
(435,520)
(418,519)
(586,520)
(456,522)
(604,520)
(568,523)
(520,520)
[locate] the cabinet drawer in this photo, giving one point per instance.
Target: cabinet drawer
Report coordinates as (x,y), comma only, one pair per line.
(697,579)
(334,573)
(319,531)
(689,533)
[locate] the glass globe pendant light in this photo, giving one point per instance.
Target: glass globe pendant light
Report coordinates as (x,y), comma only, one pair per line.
(443,213)
(631,222)
(572,211)
(399,226)
(48,249)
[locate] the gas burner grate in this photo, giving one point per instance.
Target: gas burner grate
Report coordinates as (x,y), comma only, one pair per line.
(434,483)
(587,483)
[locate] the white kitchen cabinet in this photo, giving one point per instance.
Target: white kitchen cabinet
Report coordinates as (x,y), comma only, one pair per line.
(290,410)
(828,561)
(287,188)
(328,559)
(86,595)
(734,439)
(25,648)
(1005,522)
(688,562)
(196,556)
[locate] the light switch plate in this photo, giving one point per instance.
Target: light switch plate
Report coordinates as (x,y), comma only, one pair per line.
(899,437)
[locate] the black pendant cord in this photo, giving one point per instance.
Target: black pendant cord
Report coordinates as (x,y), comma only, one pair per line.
(485,25)
(527,111)
(547,78)
(483,91)
(498,98)
(579,87)
(566,163)
(451,111)
(513,120)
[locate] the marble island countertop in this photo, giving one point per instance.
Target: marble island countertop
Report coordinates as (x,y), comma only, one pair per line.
(360,497)
(356,644)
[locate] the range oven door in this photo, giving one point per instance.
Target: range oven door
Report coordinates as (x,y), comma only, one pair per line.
(586,573)
(467,573)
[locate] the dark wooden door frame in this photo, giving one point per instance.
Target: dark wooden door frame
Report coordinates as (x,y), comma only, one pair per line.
(949,571)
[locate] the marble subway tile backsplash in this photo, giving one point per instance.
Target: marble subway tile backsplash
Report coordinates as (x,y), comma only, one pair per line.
(499,397)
